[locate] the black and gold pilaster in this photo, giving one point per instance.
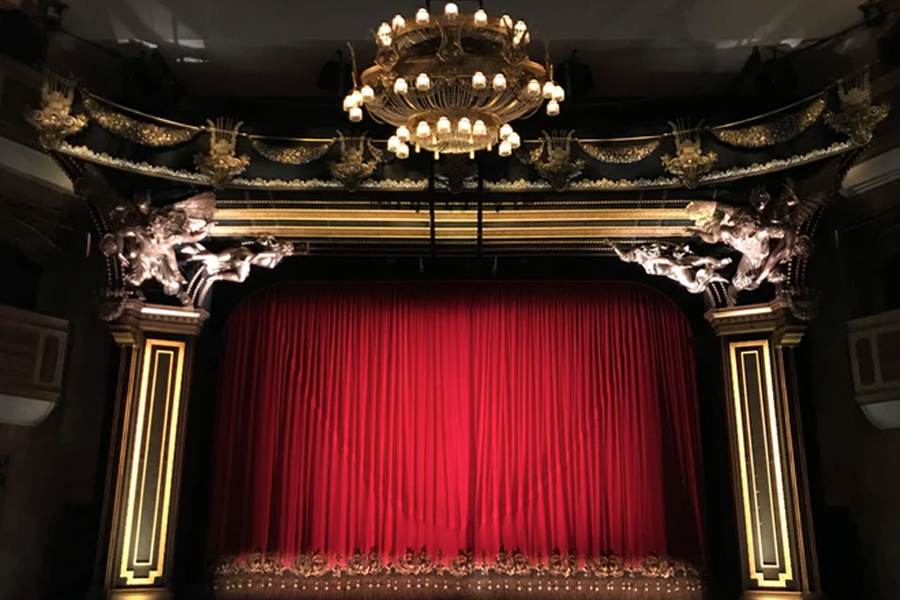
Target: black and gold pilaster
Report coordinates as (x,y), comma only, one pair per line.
(768,467)
(156,346)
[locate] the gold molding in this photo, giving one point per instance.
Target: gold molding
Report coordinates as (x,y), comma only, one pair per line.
(137,474)
(771,442)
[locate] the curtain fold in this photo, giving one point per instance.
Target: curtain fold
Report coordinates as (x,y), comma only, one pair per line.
(449,417)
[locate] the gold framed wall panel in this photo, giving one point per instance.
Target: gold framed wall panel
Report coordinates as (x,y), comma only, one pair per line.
(761,453)
(150,454)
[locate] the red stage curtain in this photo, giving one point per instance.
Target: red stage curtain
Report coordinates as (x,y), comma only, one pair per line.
(458,416)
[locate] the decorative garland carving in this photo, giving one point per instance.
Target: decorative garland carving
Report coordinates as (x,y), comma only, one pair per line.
(689,163)
(221,164)
(781,129)
(858,117)
(368,574)
(53,120)
(299,154)
(620,154)
(552,160)
(139,132)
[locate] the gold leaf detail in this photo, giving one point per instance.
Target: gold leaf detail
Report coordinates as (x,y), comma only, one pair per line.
(620,154)
(782,129)
(139,132)
(299,154)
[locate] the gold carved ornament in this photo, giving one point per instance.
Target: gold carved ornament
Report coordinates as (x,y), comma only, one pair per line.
(858,117)
(619,153)
(53,120)
(690,163)
(781,129)
(358,160)
(557,566)
(552,160)
(296,154)
(221,165)
(139,132)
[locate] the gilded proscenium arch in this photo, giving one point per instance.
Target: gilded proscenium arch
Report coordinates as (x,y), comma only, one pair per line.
(758,440)
(150,474)
(524,224)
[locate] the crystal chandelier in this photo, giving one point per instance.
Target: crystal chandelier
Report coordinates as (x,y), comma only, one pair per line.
(452,83)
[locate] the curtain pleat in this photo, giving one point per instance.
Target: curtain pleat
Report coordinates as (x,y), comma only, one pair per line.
(535,417)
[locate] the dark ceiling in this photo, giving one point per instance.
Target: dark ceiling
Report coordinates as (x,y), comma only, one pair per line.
(272,48)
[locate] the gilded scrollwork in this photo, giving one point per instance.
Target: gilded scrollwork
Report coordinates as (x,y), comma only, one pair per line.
(292,154)
(139,132)
(781,129)
(220,165)
(552,160)
(54,120)
(858,117)
(690,163)
(620,153)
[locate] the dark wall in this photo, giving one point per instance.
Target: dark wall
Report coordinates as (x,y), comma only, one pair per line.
(855,467)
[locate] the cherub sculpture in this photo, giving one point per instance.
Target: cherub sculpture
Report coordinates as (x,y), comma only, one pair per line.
(145,241)
(677,262)
(768,234)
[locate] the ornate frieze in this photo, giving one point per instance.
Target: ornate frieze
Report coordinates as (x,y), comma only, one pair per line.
(139,132)
(780,129)
(358,160)
(620,153)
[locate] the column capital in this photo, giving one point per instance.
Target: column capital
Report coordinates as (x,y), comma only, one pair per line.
(781,318)
(139,317)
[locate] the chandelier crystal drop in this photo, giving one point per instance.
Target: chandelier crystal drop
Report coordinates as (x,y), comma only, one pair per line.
(452,82)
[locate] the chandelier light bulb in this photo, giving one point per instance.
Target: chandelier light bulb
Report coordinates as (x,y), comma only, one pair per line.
(559,94)
(423,83)
(357,98)
(384,34)
(422,17)
(402,151)
(521,30)
(443,126)
(393,143)
(398,23)
(464,127)
(367,93)
(552,108)
(481,18)
(504,149)
(348,102)
(356,114)
(505,131)
(506,21)
(479,129)
(499,81)
(403,133)
(400,86)
(514,140)
(534,87)
(548,88)
(423,130)
(451,10)
(479,81)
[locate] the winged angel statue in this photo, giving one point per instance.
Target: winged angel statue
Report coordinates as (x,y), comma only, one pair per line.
(145,240)
(767,234)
